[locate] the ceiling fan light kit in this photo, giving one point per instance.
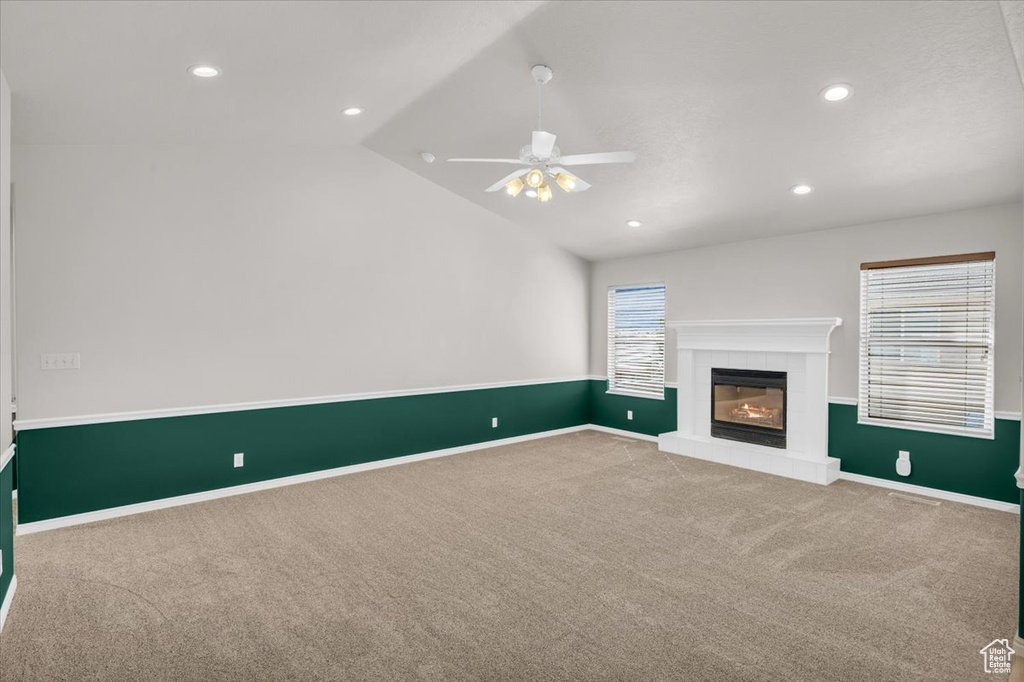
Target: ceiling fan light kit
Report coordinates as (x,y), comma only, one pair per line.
(542,159)
(515,186)
(565,181)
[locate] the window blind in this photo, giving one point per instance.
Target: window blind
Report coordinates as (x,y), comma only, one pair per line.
(636,340)
(926,344)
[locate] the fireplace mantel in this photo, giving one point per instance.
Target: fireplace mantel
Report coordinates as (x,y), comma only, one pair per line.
(792,335)
(797,346)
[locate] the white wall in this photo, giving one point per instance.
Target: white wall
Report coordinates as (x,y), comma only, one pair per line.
(818,274)
(191,276)
(5,264)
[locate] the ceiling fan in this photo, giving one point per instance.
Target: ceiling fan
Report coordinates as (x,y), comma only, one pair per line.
(543,160)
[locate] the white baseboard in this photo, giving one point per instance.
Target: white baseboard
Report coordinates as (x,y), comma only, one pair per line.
(8,598)
(622,432)
(931,492)
(167,502)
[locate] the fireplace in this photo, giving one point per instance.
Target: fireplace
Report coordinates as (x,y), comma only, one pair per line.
(797,346)
(749,406)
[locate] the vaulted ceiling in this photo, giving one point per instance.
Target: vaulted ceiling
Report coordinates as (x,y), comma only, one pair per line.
(718,99)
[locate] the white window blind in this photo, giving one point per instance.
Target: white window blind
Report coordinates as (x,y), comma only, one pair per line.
(926,344)
(636,340)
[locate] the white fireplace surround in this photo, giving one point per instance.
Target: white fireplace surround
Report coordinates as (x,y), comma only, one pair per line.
(799,347)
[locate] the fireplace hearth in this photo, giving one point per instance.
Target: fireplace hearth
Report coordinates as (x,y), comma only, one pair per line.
(749,406)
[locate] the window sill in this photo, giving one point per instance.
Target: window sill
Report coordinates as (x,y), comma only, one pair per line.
(627,394)
(928,428)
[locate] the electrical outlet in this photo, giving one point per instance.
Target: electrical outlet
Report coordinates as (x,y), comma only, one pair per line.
(60,361)
(239,459)
(494,422)
(903,463)
(629,415)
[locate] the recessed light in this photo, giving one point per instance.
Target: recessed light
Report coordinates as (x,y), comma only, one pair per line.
(204,71)
(634,223)
(352,111)
(801,189)
(837,92)
(532,193)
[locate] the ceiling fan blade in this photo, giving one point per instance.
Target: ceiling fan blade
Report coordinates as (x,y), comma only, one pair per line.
(599,157)
(511,176)
(486,160)
(543,144)
(579,184)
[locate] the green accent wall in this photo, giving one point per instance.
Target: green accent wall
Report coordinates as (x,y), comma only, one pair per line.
(971,466)
(6,529)
(959,464)
(75,469)
(650,416)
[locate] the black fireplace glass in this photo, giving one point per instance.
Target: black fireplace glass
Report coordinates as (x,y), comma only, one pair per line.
(749,406)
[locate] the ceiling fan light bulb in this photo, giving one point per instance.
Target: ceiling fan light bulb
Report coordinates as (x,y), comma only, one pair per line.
(544,194)
(515,186)
(535,178)
(566,181)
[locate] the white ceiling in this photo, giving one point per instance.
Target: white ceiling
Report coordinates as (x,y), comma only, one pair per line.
(718,99)
(116,72)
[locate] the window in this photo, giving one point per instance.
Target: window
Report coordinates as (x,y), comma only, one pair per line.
(926,344)
(636,340)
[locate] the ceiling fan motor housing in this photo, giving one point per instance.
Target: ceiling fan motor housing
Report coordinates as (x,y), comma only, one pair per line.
(526,155)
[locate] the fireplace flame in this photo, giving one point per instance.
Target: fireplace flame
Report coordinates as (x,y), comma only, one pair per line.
(747,412)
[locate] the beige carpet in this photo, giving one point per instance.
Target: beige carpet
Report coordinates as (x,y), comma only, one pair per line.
(581,557)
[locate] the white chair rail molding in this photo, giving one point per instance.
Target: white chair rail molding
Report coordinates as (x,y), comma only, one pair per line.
(754,394)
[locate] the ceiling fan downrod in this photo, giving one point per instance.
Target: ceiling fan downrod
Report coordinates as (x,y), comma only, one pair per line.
(541,75)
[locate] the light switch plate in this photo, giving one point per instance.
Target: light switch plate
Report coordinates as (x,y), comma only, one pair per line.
(494,422)
(239,459)
(629,414)
(60,361)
